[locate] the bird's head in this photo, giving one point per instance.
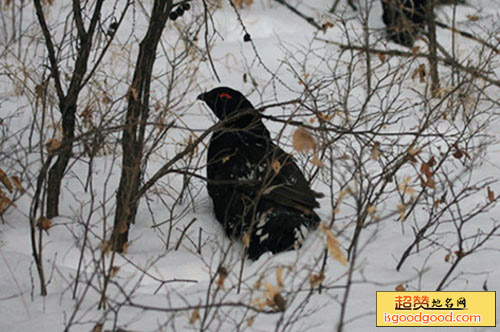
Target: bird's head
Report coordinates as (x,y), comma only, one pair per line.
(224,101)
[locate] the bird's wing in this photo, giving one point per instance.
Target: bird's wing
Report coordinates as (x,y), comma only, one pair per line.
(252,165)
(289,186)
(277,176)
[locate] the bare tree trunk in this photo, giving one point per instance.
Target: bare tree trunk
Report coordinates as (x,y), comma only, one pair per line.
(431,36)
(135,126)
(68,100)
(56,172)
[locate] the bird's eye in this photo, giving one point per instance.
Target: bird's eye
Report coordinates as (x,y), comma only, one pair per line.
(225,95)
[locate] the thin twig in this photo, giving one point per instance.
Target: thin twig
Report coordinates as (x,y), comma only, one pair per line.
(308,19)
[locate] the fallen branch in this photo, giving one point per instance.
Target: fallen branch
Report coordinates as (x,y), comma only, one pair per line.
(476,72)
(468,35)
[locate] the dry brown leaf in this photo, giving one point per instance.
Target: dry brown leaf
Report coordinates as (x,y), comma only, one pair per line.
(257,284)
(303,140)
(414,151)
(405,187)
(245,239)
(414,74)
(325,116)
(220,282)
(316,161)
(405,183)
(40,91)
(276,166)
(458,154)
(279,276)
(106,247)
(280,302)
(123,227)
(425,168)
(382,57)
(222,272)
(106,99)
(371,209)
(5,180)
(400,288)
(194,151)
(472,18)
(261,303)
(412,154)
(274,298)
(426,179)
(491,194)
(17,183)
(114,271)
(402,211)
(340,198)
(271,290)
(98,327)
(447,258)
(316,279)
(250,321)
(375,151)
(195,315)
(53,145)
(430,183)
(44,223)
(4,202)
(332,245)
(422,72)
(134,92)
(239,3)
(343,193)
(327,25)
(87,113)
(125,247)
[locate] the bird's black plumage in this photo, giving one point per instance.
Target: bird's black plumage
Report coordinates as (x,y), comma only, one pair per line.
(259,193)
(404,19)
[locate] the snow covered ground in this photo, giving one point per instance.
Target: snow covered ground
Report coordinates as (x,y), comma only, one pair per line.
(177,246)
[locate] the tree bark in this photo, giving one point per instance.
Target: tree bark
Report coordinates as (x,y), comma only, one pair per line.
(67,101)
(432,42)
(135,127)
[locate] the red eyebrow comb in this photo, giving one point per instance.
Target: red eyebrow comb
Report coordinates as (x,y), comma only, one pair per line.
(225,95)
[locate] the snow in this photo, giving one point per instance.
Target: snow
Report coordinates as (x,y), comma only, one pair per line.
(171,265)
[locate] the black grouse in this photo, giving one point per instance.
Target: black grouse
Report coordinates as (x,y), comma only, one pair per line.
(404,19)
(259,193)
